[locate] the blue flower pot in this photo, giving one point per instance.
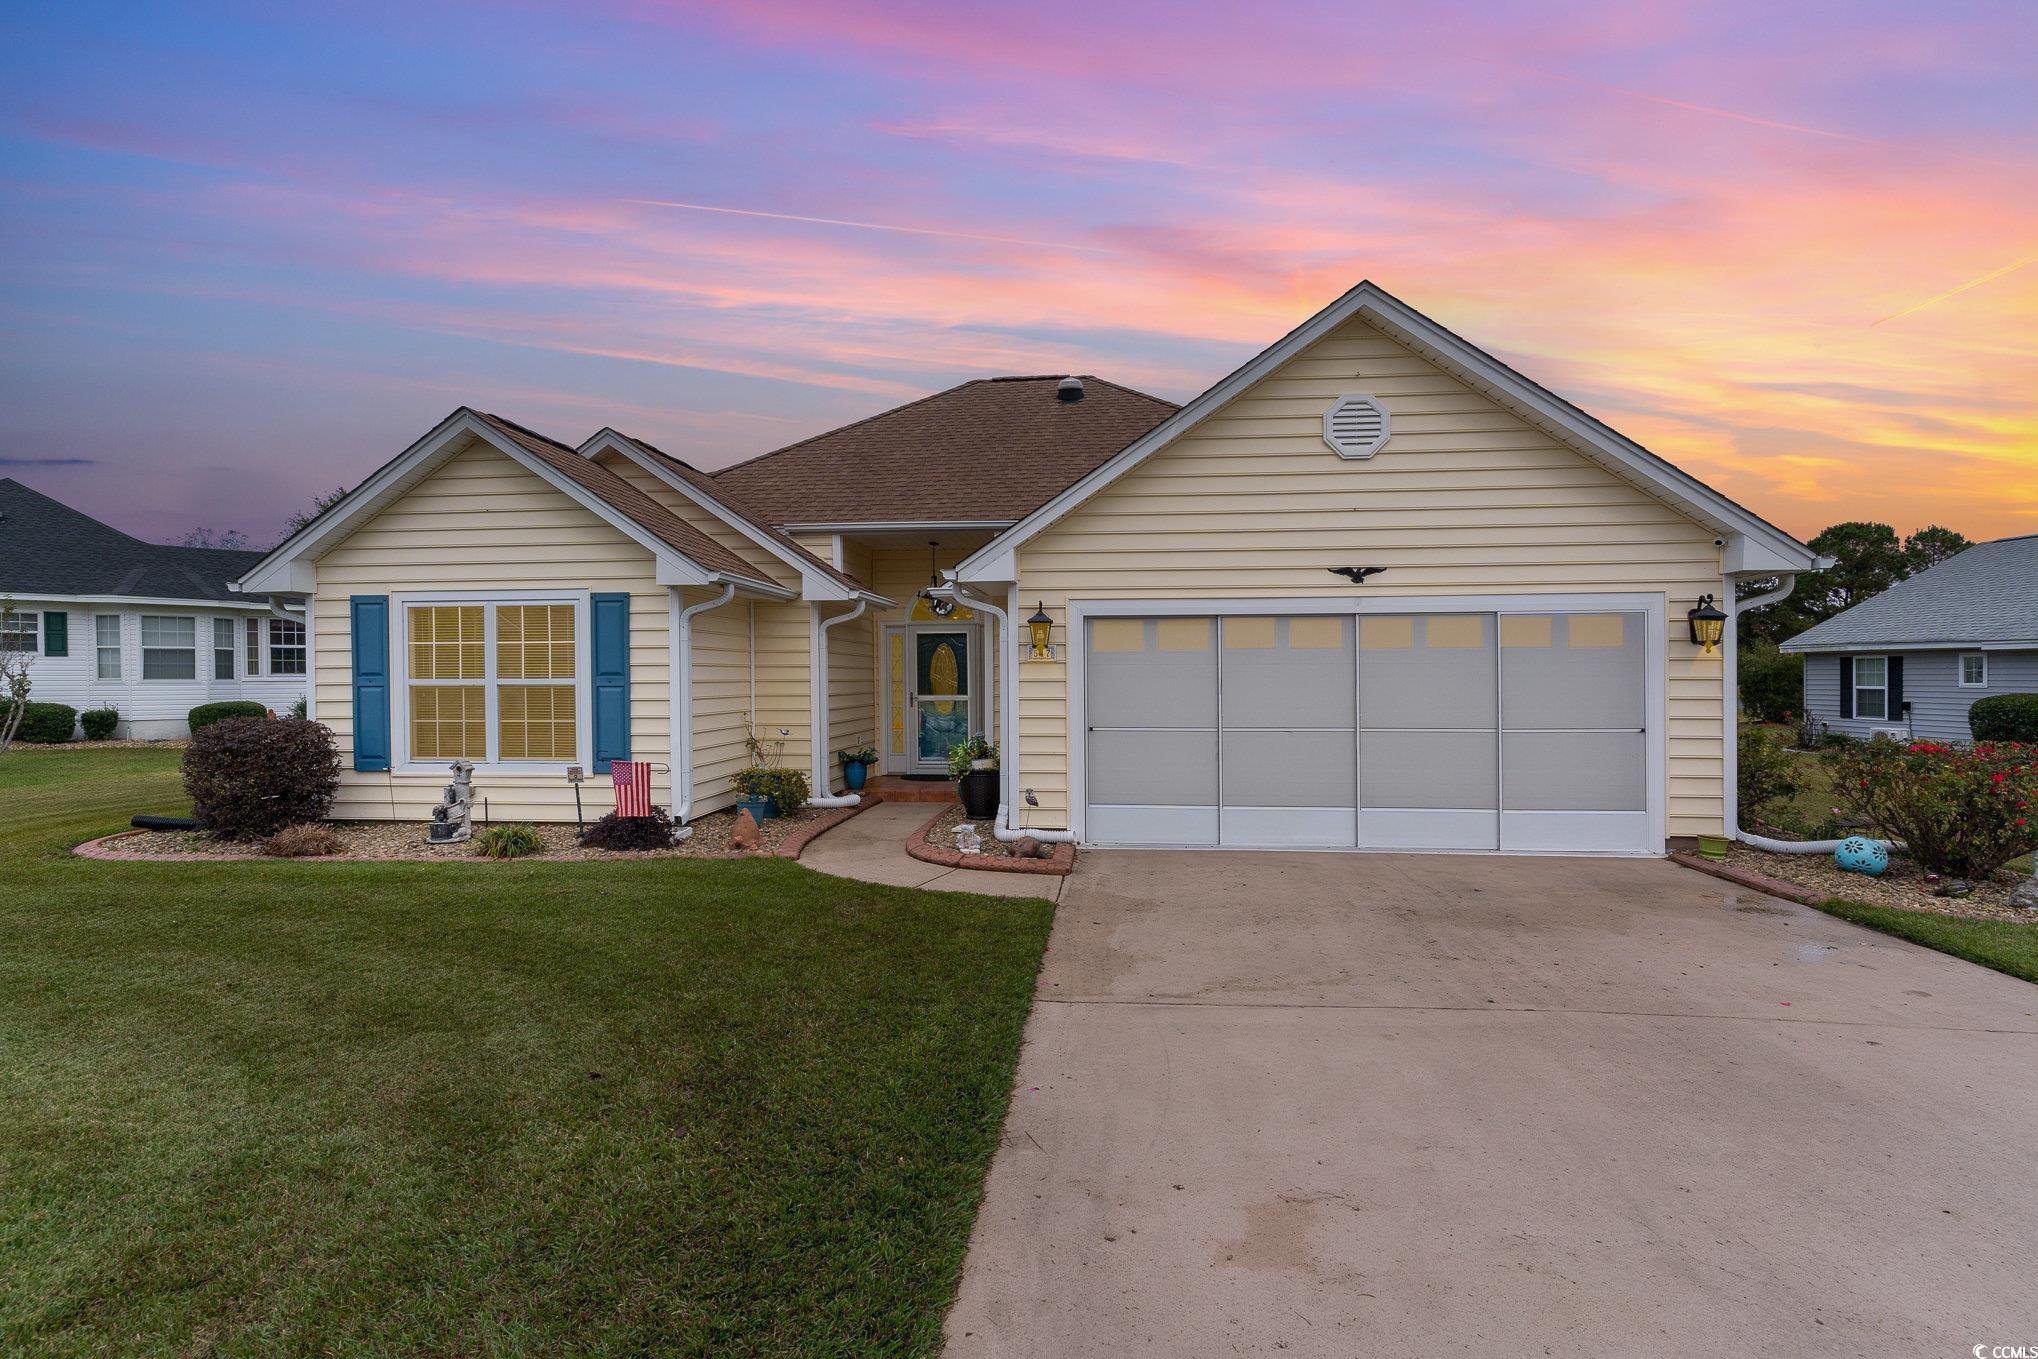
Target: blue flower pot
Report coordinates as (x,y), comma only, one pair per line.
(761,809)
(854,772)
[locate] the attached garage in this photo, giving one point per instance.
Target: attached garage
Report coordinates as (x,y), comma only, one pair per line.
(1519,724)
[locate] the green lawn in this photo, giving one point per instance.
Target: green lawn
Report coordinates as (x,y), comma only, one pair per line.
(481,1109)
(2005,945)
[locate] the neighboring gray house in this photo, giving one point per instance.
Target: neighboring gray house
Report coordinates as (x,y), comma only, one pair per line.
(148,629)
(1915,657)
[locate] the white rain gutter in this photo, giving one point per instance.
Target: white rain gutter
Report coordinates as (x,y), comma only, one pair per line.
(1762,842)
(282,611)
(819,689)
(1008,719)
(682,688)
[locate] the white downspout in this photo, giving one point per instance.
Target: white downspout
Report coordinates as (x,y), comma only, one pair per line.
(682,701)
(818,687)
(1735,608)
(1008,722)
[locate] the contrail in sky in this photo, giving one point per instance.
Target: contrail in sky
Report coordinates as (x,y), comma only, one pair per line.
(1955,292)
(867,226)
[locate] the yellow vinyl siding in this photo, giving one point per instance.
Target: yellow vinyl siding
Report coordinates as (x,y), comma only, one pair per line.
(1465,498)
(783,678)
(480,522)
(852,688)
(721,698)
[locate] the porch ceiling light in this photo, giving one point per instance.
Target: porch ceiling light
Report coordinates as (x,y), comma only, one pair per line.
(940,605)
(1708,624)
(1038,629)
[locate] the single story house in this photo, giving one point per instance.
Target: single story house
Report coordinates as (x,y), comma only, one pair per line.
(147,629)
(1374,589)
(1912,660)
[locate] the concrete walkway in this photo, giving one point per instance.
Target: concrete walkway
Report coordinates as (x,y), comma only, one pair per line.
(873,847)
(1334,1105)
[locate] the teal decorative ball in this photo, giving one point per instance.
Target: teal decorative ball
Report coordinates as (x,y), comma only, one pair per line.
(1857,854)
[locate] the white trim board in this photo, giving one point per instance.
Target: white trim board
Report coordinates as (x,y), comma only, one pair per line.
(1752,544)
(1609,833)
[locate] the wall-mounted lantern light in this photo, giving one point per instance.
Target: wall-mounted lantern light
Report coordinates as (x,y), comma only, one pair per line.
(1708,624)
(1038,629)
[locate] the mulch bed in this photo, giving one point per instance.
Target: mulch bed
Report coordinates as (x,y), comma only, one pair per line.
(934,843)
(1904,886)
(784,837)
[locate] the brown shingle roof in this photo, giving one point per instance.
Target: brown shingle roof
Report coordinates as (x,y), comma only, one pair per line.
(706,485)
(627,500)
(990,450)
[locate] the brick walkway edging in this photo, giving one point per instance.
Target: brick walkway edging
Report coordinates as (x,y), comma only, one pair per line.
(1804,896)
(917,845)
(794,845)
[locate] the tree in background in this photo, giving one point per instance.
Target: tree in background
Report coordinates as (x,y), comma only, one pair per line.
(319,505)
(1931,545)
(231,539)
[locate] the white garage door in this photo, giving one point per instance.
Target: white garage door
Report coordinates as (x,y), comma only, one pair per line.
(1477,730)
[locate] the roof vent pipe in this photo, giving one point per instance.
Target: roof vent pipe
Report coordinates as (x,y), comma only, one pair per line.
(1069,389)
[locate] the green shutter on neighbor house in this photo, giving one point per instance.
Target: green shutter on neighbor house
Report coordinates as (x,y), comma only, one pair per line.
(611,653)
(56,633)
(1846,686)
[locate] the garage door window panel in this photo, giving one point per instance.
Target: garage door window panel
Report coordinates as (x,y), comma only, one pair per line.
(1432,672)
(1572,673)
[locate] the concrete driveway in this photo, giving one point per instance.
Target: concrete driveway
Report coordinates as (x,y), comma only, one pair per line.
(1373,1105)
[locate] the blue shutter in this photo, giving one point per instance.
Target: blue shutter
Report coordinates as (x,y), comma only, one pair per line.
(1895,703)
(370,617)
(611,650)
(56,633)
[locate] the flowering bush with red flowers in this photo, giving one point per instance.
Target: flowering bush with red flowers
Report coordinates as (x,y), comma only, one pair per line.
(1960,810)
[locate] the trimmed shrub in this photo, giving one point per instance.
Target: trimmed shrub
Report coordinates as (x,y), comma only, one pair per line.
(513,842)
(2005,717)
(302,842)
(44,724)
(205,714)
(251,776)
(787,787)
(1960,810)
(300,709)
(99,723)
(1772,684)
(1767,774)
(630,832)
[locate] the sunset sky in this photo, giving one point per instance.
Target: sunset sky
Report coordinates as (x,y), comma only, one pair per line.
(251,251)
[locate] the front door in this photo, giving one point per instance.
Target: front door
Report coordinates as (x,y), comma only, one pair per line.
(942,709)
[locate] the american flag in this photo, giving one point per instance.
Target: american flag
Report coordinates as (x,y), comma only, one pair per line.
(633,786)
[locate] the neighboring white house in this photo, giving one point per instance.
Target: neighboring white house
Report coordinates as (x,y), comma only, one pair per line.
(144,628)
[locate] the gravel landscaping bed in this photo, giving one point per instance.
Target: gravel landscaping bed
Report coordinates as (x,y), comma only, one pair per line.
(406,840)
(1904,886)
(942,834)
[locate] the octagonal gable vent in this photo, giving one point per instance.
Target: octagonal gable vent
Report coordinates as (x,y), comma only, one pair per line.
(1355,426)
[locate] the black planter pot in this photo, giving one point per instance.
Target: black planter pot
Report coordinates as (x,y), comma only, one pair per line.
(979,790)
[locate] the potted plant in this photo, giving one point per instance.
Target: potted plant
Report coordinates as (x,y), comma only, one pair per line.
(753,793)
(856,765)
(973,764)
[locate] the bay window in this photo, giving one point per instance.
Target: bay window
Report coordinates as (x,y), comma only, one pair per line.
(169,647)
(106,638)
(286,647)
(493,681)
(222,648)
(1871,686)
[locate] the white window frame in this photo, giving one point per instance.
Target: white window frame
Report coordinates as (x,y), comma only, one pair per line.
(1860,688)
(1967,656)
(583,679)
(100,648)
(32,617)
(270,646)
(194,676)
(232,649)
(253,635)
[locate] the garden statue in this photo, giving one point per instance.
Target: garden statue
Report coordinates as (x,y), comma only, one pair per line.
(453,818)
(1858,854)
(745,835)
(967,841)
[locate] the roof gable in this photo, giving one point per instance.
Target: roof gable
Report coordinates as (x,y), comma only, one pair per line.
(1985,596)
(686,556)
(988,451)
(1753,543)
